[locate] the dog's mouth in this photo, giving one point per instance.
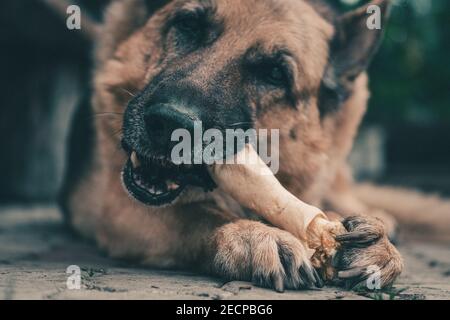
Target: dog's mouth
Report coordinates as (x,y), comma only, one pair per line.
(158,182)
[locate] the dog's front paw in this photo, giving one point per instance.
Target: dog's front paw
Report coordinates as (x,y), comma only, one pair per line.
(390,224)
(366,257)
(266,256)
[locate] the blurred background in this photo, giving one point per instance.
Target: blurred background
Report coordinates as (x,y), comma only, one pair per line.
(45,73)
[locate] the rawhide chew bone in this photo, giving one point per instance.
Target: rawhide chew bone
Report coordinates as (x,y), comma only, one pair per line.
(253,185)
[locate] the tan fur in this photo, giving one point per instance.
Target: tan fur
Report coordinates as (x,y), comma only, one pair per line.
(209,230)
(425,217)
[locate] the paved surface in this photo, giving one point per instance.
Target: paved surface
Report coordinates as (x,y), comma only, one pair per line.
(35,251)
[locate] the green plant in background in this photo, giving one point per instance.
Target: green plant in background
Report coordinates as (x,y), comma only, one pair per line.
(410,77)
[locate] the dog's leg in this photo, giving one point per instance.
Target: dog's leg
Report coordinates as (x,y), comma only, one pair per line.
(342,200)
(269,257)
(422,216)
(199,237)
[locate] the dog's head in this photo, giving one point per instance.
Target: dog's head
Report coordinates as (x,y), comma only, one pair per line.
(231,64)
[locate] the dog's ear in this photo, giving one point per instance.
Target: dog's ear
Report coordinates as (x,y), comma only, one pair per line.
(120,19)
(357,38)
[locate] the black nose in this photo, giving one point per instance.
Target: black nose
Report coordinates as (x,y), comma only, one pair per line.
(162,120)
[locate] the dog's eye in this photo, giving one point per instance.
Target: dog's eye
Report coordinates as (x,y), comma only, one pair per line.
(189,24)
(273,74)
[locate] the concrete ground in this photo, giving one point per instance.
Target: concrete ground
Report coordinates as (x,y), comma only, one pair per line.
(35,251)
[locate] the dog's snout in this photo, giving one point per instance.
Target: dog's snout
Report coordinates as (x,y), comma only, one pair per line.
(158,126)
(161,121)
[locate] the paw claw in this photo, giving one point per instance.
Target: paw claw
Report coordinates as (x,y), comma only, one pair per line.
(278,283)
(310,276)
(364,247)
(355,272)
(362,231)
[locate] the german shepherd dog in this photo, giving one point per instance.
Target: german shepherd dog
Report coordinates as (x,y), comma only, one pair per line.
(294,65)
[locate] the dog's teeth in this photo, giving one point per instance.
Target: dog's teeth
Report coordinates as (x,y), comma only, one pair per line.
(172,186)
(135,161)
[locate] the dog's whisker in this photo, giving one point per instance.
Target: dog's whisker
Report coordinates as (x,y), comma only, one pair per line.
(116,133)
(101,114)
(128,92)
(239,124)
(114,116)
